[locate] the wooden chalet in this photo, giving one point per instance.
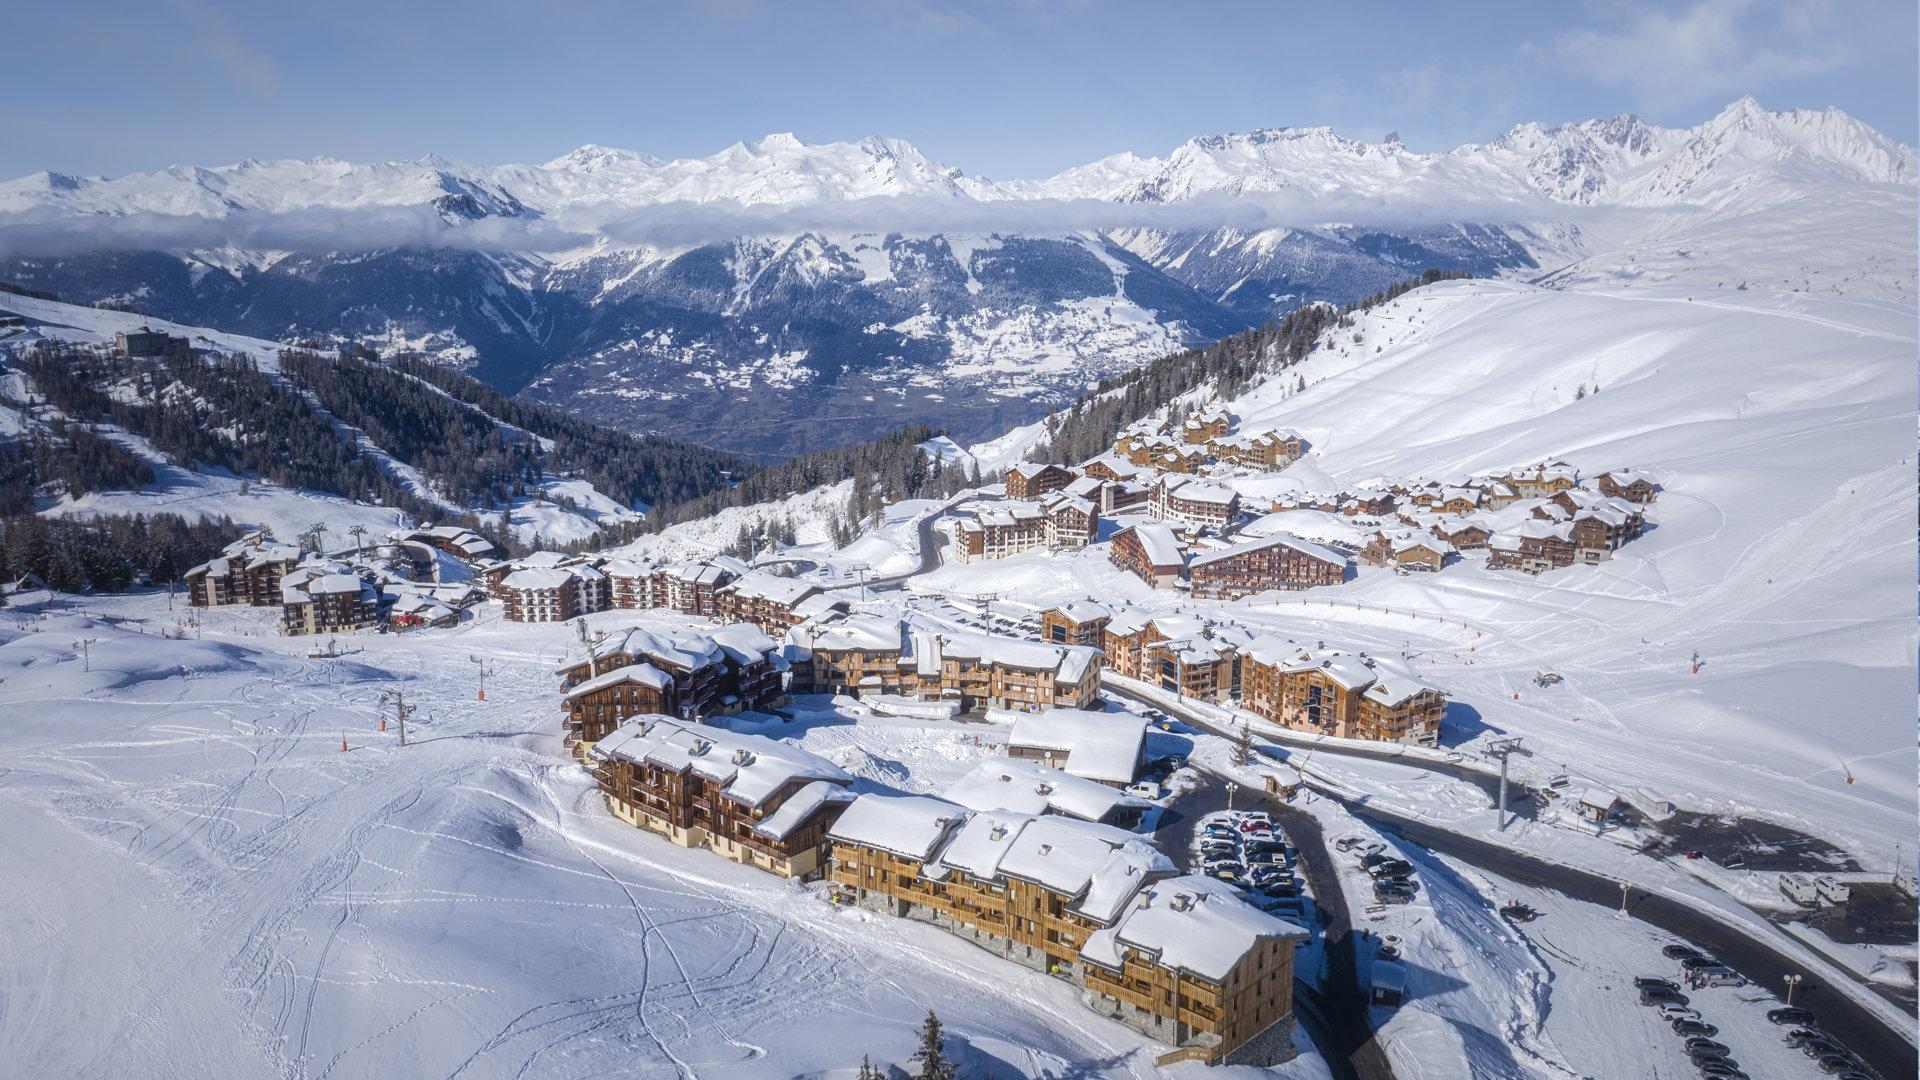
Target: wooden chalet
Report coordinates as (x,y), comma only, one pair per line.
(758,801)
(875,655)
(1348,696)
(1281,561)
(1078,623)
(1151,552)
(1625,484)
(1183,959)
(768,601)
(1030,480)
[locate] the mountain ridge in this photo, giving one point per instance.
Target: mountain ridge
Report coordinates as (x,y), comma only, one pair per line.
(778,295)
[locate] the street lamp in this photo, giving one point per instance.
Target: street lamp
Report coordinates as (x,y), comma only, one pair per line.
(1791,981)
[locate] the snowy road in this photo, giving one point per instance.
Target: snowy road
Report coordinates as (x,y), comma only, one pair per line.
(1891,1052)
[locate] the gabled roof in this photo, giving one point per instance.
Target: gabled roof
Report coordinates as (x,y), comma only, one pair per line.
(910,826)
(1281,539)
(1099,746)
(749,768)
(1028,787)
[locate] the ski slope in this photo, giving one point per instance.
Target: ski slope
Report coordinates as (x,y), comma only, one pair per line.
(204,883)
(1781,426)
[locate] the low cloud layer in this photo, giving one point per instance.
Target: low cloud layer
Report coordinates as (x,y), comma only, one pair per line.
(47,233)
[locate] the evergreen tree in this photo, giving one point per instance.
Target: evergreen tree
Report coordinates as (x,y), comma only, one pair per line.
(867,1071)
(932,1054)
(1243,745)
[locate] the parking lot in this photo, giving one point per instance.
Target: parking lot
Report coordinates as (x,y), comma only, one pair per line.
(1729,1029)
(1245,849)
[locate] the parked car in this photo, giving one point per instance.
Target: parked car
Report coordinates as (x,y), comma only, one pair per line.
(1791,1015)
(1698,961)
(1347,843)
(1694,1027)
(1697,1044)
(1652,982)
(1256,828)
(1679,952)
(1224,873)
(1819,1044)
(1256,815)
(1800,1035)
(1657,995)
(1221,832)
(1720,1070)
(1391,868)
(1835,1063)
(1670,1013)
(1145,789)
(1393,893)
(1265,857)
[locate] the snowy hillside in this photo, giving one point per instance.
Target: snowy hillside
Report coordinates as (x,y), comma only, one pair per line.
(719,297)
(1781,426)
(559,507)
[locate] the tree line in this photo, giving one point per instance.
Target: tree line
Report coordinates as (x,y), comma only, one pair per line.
(109,553)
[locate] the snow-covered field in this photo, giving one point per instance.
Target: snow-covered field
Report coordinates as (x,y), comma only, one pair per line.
(204,881)
(1781,549)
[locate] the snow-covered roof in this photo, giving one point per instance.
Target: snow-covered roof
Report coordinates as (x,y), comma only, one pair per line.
(1118,465)
(686,651)
(871,633)
(536,578)
(1081,612)
(933,644)
(1195,924)
(1028,787)
(745,642)
(1305,547)
(910,826)
(1161,544)
(1061,502)
(1599,798)
(1393,684)
(1031,469)
(1194,489)
(1012,515)
(1099,746)
(749,768)
(642,674)
(800,806)
(627,568)
(1078,859)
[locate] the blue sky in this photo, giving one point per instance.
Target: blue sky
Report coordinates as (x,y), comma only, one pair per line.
(1016,88)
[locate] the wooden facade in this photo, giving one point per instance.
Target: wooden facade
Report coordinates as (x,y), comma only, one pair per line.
(695,807)
(1029,480)
(1242,1015)
(1277,562)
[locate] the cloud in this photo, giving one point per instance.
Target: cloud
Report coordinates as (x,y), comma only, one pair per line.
(215,37)
(1669,57)
(50,232)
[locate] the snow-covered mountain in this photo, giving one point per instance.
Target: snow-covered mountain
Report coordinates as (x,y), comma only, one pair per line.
(777,294)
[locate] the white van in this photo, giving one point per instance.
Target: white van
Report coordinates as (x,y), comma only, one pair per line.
(1799,890)
(1833,889)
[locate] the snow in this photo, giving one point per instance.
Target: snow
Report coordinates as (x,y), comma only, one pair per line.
(1026,787)
(1099,746)
(910,826)
(207,885)
(1200,925)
